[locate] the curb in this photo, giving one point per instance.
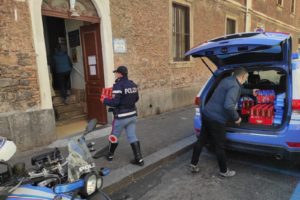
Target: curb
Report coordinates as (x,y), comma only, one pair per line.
(123,176)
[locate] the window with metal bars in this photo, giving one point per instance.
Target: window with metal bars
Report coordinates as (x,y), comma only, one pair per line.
(180,32)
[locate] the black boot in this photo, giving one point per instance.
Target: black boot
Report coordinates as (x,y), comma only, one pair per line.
(107,151)
(138,159)
(111,150)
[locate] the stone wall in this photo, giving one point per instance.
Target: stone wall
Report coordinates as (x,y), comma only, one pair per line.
(271,9)
(19,89)
(20,116)
(145,26)
(283,14)
(29,129)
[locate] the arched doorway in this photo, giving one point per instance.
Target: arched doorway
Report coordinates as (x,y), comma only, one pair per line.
(82,37)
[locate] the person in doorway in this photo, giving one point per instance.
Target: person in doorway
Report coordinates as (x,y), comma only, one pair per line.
(62,66)
(124,96)
(221,109)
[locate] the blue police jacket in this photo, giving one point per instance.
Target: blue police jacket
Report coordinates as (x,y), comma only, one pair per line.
(125,95)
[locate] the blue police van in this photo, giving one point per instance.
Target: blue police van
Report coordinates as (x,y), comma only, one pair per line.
(269,60)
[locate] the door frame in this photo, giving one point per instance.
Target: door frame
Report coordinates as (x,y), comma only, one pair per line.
(64,15)
(103,10)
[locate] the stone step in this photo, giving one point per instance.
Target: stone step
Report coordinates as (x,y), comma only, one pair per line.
(58,101)
(70,114)
(71,120)
(57,92)
(69,107)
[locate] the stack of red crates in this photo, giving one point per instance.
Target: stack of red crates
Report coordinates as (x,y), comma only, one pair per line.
(263,112)
(261,98)
(106,93)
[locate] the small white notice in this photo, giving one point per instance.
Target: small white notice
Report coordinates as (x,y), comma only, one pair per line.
(120,45)
(93,70)
(92,60)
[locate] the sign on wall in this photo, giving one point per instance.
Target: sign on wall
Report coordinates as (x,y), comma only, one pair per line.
(74,39)
(120,45)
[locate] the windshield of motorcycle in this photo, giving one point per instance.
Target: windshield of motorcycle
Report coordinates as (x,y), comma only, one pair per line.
(80,160)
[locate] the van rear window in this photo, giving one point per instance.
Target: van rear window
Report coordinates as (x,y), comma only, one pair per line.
(271,54)
(234,36)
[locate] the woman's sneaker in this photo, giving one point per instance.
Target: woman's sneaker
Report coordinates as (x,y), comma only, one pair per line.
(194,168)
(228,173)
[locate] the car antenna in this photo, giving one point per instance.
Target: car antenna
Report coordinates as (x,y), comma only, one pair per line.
(208,67)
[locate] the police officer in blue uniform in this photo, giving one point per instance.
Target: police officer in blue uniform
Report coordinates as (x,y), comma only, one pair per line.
(124,96)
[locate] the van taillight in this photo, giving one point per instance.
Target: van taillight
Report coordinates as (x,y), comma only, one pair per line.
(197,101)
(296,104)
(293,144)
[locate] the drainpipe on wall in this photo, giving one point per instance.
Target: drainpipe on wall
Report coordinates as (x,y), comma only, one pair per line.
(248,16)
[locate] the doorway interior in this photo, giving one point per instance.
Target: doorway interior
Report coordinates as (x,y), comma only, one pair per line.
(71,116)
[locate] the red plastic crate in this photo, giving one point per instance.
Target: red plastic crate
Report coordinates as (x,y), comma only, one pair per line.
(265,99)
(246,107)
(106,93)
(262,114)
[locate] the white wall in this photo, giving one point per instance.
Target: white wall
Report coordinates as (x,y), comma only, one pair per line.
(77,74)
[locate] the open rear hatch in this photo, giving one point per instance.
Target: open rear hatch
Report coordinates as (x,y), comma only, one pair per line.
(245,48)
(262,51)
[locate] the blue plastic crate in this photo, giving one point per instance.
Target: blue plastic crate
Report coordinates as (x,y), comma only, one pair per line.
(278,116)
(278,107)
(280,96)
(277,121)
(279,104)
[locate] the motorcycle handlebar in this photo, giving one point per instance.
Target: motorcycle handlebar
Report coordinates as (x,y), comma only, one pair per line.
(45,172)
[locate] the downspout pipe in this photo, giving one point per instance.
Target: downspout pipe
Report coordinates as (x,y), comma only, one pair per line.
(248,16)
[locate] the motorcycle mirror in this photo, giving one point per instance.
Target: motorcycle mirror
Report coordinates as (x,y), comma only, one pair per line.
(91,125)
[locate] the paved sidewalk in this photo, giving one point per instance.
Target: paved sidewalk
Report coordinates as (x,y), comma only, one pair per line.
(161,136)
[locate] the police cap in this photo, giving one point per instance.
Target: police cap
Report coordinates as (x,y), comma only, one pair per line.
(122,70)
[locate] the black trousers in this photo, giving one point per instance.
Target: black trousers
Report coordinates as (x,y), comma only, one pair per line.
(214,132)
(64,83)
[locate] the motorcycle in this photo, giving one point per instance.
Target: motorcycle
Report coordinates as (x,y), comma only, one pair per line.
(54,177)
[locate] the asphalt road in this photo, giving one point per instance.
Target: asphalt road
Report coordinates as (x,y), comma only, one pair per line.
(258,178)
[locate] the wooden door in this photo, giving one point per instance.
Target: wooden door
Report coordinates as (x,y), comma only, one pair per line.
(93,69)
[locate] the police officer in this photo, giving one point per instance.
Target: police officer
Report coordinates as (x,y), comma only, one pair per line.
(124,96)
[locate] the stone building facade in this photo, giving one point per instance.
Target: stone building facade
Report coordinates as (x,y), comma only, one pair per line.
(145,29)
(21,116)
